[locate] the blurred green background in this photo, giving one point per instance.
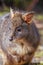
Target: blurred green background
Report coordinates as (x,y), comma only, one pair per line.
(28,5)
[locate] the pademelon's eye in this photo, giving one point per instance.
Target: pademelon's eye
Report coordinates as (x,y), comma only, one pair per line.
(19,29)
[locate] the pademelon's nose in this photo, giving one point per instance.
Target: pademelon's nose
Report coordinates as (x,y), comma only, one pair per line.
(11,39)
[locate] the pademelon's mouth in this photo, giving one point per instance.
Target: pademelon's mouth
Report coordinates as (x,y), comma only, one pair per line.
(20,53)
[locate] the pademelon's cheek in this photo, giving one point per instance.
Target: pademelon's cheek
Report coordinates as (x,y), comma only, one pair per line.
(21,34)
(6,35)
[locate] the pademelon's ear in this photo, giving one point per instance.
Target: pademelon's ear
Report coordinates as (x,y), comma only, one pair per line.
(27,17)
(11,13)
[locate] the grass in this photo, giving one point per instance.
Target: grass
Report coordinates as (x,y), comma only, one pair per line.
(40,17)
(5,10)
(2,13)
(39,54)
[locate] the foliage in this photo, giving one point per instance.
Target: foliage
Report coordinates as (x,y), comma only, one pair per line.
(17,3)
